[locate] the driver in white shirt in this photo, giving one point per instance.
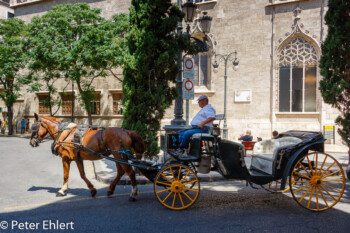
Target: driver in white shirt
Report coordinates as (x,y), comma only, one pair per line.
(201,123)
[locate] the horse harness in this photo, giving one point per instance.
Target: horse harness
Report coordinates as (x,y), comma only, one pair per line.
(78,145)
(62,127)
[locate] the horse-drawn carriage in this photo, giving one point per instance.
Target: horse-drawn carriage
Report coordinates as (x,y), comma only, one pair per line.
(295,161)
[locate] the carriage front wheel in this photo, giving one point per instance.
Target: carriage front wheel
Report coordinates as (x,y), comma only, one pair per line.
(318,181)
(176,187)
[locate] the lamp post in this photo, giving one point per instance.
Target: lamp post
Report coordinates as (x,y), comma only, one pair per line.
(226,58)
(189,9)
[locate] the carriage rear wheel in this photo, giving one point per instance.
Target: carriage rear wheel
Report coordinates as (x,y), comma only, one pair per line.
(176,187)
(318,181)
(274,186)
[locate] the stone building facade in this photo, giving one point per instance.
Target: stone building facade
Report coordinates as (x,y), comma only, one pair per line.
(276,85)
(5,10)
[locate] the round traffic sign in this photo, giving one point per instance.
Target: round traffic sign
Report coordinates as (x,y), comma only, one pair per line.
(188,85)
(189,64)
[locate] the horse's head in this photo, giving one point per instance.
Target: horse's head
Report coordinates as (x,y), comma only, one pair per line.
(40,129)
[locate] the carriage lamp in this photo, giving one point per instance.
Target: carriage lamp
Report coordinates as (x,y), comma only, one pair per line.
(225,58)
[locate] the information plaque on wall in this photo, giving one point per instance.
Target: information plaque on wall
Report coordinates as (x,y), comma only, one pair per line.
(243,96)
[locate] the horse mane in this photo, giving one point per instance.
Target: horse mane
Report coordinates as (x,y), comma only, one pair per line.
(137,142)
(50,118)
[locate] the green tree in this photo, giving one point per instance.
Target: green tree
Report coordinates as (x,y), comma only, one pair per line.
(75,42)
(12,61)
(150,69)
(335,64)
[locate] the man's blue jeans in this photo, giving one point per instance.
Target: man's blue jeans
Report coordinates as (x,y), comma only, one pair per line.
(185,135)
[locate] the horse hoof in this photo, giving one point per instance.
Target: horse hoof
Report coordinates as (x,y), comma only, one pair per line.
(131,199)
(93,192)
(109,193)
(59,195)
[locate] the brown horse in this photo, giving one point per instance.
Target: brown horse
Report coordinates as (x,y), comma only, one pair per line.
(107,141)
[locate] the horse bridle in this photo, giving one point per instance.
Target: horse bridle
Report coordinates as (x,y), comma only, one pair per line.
(35,128)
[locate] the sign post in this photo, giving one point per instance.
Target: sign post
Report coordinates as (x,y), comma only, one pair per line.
(188,88)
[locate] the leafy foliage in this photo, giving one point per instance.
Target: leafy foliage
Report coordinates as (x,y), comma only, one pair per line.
(75,42)
(150,69)
(335,63)
(12,61)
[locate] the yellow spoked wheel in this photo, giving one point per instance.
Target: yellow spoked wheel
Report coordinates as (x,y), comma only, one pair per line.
(274,186)
(191,165)
(176,187)
(318,181)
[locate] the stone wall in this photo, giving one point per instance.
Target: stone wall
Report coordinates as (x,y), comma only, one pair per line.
(26,10)
(4,10)
(256,29)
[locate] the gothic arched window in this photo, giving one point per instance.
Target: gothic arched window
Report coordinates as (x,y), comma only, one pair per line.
(202,70)
(297,77)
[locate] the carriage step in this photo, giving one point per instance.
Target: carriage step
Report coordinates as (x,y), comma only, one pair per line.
(256,173)
(189,158)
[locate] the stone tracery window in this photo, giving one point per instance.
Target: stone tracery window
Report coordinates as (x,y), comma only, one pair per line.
(297,77)
(201,70)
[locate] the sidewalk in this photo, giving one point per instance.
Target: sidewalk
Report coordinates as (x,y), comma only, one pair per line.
(25,135)
(105,170)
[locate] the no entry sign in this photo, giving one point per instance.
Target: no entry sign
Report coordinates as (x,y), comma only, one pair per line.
(188,68)
(188,90)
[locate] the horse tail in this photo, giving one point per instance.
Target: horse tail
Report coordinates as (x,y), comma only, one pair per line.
(137,142)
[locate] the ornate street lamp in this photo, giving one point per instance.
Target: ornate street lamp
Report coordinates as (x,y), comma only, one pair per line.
(205,22)
(235,63)
(189,8)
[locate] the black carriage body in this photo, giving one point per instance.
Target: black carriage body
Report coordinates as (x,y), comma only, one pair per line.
(231,164)
(229,155)
(311,141)
(230,160)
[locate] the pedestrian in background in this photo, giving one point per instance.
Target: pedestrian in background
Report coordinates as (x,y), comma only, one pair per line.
(274,134)
(3,126)
(14,126)
(23,126)
(247,138)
